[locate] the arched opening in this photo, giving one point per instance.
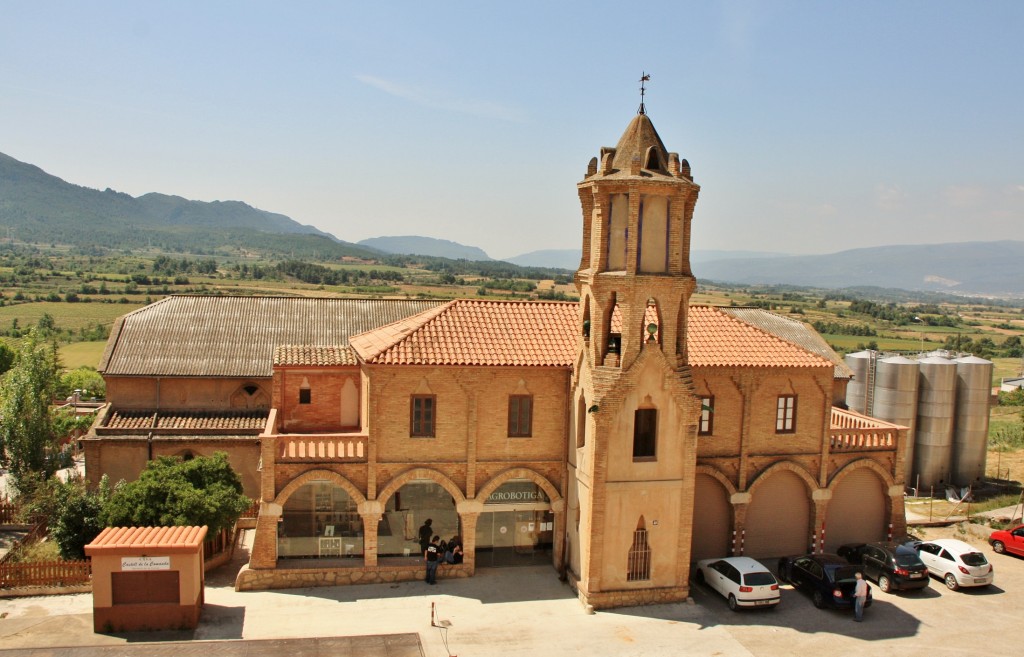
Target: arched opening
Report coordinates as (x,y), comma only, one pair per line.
(618,232)
(856,512)
(712,518)
(639,559)
(581,422)
(651,330)
(320,520)
(249,396)
(778,519)
(404,525)
(613,331)
(652,246)
(349,405)
(516,527)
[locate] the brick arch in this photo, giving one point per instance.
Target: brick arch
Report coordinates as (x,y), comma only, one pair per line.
(518,473)
(718,475)
(871,464)
(808,480)
(421,473)
(319,475)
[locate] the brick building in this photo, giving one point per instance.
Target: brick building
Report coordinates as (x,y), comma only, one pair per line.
(618,439)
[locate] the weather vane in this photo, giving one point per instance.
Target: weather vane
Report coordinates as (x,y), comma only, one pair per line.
(644,77)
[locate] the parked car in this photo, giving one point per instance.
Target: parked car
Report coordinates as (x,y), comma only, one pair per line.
(741,580)
(829,579)
(1008,540)
(955,562)
(893,566)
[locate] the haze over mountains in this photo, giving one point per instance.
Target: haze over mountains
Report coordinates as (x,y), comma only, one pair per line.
(38,207)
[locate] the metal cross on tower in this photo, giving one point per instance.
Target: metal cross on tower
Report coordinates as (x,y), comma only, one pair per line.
(644,77)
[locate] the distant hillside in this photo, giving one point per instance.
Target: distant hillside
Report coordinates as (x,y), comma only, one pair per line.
(570,258)
(425,246)
(965,268)
(39,207)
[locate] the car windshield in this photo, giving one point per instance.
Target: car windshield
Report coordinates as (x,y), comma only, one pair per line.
(759,579)
(843,572)
(908,560)
(974,559)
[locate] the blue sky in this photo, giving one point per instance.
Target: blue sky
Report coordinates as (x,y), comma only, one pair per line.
(811,126)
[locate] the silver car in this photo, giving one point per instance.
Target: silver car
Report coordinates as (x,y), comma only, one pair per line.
(956,563)
(740,580)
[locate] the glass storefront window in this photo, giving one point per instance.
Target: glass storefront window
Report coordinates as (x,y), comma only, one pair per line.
(408,510)
(320,520)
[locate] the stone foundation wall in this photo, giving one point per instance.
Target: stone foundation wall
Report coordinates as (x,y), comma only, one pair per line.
(629,597)
(262,580)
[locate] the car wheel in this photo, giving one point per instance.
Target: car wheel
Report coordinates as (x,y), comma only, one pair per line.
(884,584)
(732,603)
(699,576)
(951,582)
(999,547)
(819,600)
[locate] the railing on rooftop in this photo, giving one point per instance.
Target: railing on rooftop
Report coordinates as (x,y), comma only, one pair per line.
(337,448)
(851,431)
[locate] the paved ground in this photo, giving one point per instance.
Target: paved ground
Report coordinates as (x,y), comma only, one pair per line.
(528,612)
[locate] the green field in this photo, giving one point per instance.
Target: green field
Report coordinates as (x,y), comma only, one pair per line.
(79,354)
(66,315)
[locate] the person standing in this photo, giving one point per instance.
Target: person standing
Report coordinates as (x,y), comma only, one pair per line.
(860,596)
(425,532)
(431,556)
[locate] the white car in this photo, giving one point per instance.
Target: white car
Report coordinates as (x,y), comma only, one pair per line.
(741,580)
(955,562)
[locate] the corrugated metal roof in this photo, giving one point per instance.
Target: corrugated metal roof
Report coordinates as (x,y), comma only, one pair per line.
(237,336)
(162,539)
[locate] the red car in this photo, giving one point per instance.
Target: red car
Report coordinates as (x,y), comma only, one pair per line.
(1008,540)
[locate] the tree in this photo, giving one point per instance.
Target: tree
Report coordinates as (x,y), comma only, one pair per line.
(172,492)
(73,513)
(28,443)
(84,378)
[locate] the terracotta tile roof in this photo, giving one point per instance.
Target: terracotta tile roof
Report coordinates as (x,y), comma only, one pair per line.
(237,336)
(716,338)
(236,421)
(314,355)
(164,540)
(477,332)
(794,331)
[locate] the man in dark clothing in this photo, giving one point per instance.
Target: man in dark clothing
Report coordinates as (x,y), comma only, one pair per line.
(431,556)
(425,533)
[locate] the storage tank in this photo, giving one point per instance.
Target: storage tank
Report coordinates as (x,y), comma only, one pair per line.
(857,388)
(895,399)
(970,434)
(933,436)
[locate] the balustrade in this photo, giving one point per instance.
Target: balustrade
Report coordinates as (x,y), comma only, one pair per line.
(323,448)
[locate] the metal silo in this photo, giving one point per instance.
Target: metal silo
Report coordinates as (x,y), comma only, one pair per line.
(895,399)
(933,439)
(970,435)
(857,388)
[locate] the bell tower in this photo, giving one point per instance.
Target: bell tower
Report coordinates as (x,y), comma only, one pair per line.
(633,440)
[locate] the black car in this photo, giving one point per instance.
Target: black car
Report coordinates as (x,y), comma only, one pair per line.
(829,579)
(893,566)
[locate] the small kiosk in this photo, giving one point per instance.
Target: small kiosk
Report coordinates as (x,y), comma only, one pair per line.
(147,578)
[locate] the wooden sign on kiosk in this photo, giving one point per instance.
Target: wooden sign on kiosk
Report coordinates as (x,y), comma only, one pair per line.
(147,578)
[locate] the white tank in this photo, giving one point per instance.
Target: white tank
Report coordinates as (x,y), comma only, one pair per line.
(970,434)
(857,388)
(895,399)
(933,435)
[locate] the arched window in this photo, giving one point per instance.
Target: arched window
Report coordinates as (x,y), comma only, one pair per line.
(639,560)
(618,232)
(320,519)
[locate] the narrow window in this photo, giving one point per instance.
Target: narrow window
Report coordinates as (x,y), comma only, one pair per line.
(645,433)
(639,562)
(520,416)
(305,396)
(707,416)
(422,415)
(785,414)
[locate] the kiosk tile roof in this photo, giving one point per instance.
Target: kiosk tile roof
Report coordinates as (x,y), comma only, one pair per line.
(237,336)
(163,539)
(476,332)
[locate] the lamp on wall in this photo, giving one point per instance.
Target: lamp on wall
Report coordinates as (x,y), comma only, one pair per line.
(593,409)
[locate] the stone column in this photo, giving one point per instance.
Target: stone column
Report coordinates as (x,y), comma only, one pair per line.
(264,544)
(897,512)
(558,509)
(371,512)
(469,512)
(740,502)
(821,499)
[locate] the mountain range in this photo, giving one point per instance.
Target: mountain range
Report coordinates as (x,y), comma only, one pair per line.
(38,207)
